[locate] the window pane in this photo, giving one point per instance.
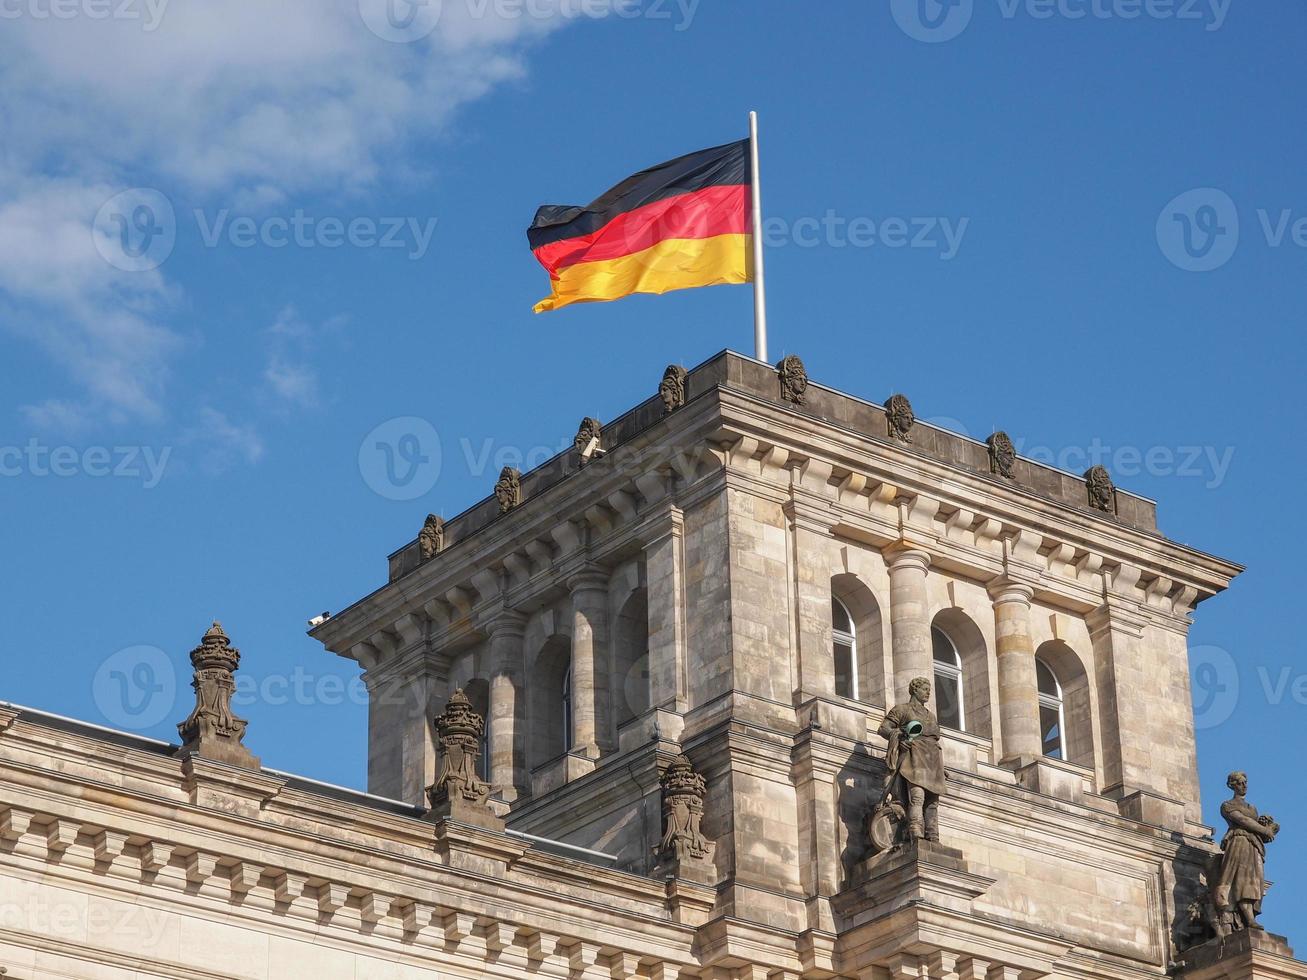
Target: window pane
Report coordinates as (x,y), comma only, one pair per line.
(1050,724)
(1047,682)
(839,617)
(844,685)
(943,646)
(947,701)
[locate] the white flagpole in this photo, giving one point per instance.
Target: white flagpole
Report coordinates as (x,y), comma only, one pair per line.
(759,284)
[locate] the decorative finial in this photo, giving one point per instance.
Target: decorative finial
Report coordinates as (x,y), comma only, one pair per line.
(509,489)
(1102,493)
(212,731)
(431,539)
(459,792)
(1002,455)
(672,389)
(794,379)
(589,441)
(684,851)
(899,418)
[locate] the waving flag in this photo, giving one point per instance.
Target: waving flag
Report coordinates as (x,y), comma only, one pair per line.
(678,225)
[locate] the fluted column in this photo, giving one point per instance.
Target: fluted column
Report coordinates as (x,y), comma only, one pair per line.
(909,613)
(507,715)
(591,687)
(1018,686)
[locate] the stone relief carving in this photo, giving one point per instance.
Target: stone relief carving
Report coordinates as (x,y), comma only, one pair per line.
(508,491)
(1102,494)
(1002,455)
(909,806)
(899,418)
(672,389)
(589,440)
(212,731)
(794,379)
(684,850)
(431,539)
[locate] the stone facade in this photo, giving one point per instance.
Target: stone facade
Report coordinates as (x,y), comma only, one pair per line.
(683,749)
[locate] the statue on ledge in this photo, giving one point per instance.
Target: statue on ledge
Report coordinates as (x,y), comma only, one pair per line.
(459,792)
(915,781)
(1239,886)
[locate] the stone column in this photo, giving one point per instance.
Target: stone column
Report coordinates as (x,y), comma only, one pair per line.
(1018,687)
(591,687)
(909,615)
(664,558)
(507,714)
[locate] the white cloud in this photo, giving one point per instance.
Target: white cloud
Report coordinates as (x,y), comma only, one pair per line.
(290,374)
(234,102)
(222,442)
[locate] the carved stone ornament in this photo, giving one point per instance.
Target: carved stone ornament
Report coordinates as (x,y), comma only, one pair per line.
(794,379)
(212,731)
(431,539)
(1098,485)
(1236,879)
(899,418)
(672,389)
(589,440)
(459,792)
(508,491)
(684,849)
(1002,455)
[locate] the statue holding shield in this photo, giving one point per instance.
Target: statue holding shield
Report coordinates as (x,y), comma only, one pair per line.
(915,780)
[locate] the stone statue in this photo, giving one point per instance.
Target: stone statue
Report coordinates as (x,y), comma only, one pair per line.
(591,431)
(212,731)
(1102,494)
(684,850)
(431,539)
(672,389)
(794,379)
(1239,886)
(508,491)
(899,417)
(1002,455)
(459,791)
(915,780)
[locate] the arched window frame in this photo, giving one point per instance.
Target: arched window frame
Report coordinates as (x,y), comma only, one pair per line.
(1051,701)
(953,671)
(846,638)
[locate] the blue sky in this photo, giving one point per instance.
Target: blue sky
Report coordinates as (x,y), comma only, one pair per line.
(989,208)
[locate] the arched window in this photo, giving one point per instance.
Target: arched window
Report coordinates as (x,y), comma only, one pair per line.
(949,705)
(566,695)
(1052,714)
(845,635)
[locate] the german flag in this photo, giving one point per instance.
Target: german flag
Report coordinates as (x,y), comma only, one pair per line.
(678,225)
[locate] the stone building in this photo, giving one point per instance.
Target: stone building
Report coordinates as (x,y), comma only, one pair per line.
(625,719)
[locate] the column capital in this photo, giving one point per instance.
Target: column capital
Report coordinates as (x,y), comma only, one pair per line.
(663,525)
(1005,588)
(506,622)
(906,554)
(590,578)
